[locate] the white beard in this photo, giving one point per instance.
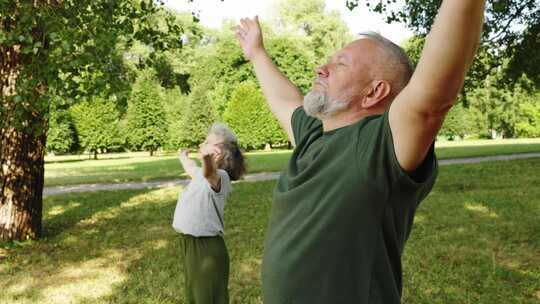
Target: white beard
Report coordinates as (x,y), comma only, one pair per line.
(320,106)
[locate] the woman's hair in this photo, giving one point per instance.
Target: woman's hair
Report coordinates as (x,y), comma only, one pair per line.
(233,159)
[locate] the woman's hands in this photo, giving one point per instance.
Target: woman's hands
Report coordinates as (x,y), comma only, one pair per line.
(182,154)
(210,156)
(211,152)
(188,164)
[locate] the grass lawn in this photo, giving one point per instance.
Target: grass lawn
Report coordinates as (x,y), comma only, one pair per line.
(125,167)
(476,239)
(475,148)
(139,167)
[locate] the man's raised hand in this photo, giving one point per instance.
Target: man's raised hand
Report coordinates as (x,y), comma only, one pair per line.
(249,35)
(282,96)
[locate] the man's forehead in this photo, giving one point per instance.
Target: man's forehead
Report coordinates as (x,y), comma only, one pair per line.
(362,42)
(340,54)
(360,46)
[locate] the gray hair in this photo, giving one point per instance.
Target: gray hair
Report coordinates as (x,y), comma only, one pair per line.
(319,105)
(224,132)
(233,159)
(394,61)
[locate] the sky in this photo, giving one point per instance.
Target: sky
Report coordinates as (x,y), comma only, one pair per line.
(213,12)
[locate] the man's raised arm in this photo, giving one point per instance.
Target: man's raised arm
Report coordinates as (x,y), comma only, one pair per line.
(281,94)
(418,111)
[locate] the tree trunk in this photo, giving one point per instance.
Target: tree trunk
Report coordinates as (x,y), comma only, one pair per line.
(21,181)
(23,132)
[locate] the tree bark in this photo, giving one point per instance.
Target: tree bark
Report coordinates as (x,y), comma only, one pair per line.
(21,181)
(23,132)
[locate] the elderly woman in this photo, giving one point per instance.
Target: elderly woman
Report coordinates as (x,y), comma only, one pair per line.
(199,215)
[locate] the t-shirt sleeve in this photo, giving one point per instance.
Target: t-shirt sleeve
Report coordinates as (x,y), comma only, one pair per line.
(302,124)
(421,180)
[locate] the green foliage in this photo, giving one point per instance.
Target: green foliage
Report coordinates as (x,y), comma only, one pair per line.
(249,116)
(511,31)
(173,64)
(175,103)
(96,122)
(218,97)
(197,115)
(497,107)
(457,123)
(420,14)
(61,136)
(324,32)
(221,67)
(292,58)
(480,69)
(69,49)
(413,47)
(491,112)
(146,119)
(217,67)
(525,57)
(493,107)
(221,62)
(529,112)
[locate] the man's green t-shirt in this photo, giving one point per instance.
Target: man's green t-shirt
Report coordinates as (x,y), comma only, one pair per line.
(341,214)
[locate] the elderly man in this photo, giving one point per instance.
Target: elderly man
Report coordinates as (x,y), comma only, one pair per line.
(343,209)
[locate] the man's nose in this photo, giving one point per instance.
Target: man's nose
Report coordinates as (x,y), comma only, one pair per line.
(322,71)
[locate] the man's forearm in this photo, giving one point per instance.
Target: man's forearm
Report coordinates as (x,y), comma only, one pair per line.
(276,87)
(281,94)
(449,50)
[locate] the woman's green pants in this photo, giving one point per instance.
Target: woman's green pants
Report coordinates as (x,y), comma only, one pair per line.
(206,269)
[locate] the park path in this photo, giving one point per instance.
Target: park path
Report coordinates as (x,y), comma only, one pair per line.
(250,177)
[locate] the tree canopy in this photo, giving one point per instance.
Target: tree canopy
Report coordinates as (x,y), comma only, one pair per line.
(511,30)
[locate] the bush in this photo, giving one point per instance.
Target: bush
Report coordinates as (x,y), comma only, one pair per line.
(96,123)
(529,124)
(457,123)
(146,119)
(195,116)
(61,136)
(254,124)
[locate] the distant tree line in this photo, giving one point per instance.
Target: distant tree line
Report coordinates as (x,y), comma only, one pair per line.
(168,99)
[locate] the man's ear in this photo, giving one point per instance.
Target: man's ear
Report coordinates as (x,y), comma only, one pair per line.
(378,90)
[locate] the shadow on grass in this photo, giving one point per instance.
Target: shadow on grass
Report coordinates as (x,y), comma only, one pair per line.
(63,161)
(86,159)
(476,239)
(85,236)
(119,247)
(156,276)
